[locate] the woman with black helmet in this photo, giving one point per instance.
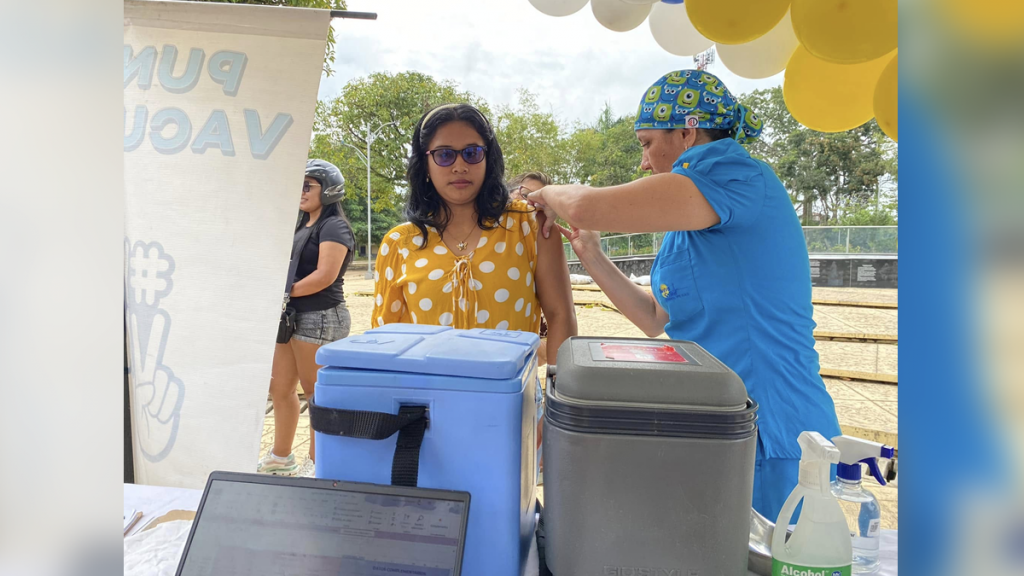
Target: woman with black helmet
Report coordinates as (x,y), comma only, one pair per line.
(316,312)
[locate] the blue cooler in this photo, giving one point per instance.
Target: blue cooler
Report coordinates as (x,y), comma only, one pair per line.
(472,395)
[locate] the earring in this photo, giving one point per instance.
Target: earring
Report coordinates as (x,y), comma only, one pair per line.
(428,177)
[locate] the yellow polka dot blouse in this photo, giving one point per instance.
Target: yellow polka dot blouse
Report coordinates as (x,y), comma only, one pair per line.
(420,281)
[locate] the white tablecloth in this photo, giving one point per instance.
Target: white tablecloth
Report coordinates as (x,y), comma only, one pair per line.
(155,501)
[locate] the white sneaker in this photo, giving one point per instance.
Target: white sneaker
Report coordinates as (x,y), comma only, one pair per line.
(277,466)
(307,470)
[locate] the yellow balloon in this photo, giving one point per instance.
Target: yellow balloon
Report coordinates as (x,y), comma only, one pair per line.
(846,31)
(830,97)
(735,21)
(886,102)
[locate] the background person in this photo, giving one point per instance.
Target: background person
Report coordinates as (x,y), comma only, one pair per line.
(322,245)
(519,187)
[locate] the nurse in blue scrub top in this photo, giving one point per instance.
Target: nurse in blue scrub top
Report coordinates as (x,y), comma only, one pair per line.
(733,272)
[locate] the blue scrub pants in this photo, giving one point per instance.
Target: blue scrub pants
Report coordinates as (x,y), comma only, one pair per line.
(774,480)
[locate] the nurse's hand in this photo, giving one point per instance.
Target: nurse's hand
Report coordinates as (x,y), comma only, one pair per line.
(536,199)
(586,243)
(543,200)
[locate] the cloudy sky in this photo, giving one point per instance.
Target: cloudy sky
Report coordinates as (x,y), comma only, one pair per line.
(494,47)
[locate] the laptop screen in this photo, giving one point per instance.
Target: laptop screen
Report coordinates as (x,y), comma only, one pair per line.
(256,529)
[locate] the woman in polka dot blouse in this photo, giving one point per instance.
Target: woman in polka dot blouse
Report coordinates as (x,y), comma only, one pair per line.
(469,257)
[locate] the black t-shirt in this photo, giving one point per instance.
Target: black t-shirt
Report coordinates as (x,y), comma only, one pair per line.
(307,241)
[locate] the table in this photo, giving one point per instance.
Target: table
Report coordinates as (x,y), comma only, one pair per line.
(154,501)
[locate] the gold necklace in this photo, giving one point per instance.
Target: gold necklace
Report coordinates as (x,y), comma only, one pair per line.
(462,245)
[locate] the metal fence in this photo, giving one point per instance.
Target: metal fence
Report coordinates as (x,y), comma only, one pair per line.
(872,240)
(867,240)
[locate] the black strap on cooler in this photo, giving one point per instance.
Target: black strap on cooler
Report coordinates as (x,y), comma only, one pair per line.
(410,423)
(405,467)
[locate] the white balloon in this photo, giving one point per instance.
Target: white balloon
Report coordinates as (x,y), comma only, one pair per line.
(673,31)
(559,7)
(641,1)
(619,16)
(763,57)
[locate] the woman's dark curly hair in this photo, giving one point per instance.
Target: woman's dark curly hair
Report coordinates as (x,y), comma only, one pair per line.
(425,207)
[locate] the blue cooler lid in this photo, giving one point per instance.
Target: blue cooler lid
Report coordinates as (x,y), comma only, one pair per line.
(438,350)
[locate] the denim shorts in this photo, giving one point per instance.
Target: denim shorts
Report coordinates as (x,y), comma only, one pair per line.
(323,326)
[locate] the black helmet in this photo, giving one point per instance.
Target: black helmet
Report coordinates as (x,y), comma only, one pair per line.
(332,183)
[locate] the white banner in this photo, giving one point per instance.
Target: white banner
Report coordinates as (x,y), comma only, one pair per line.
(219,102)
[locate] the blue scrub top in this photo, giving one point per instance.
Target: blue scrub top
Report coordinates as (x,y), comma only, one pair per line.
(742,290)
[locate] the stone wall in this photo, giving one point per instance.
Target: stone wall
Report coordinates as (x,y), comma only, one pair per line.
(847,272)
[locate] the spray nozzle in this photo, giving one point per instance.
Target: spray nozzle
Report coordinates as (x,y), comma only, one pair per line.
(816,457)
(814,446)
(857,451)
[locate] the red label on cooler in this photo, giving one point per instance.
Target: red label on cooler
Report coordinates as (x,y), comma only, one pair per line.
(641,353)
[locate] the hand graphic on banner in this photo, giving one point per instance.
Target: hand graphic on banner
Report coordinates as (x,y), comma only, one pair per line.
(158,395)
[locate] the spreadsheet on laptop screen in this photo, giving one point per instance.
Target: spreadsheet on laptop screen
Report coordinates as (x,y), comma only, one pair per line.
(264,529)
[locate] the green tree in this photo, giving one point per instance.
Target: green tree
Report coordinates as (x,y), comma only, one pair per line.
(836,173)
(605,152)
(530,139)
(373,102)
(383,219)
(770,107)
(868,217)
(323,4)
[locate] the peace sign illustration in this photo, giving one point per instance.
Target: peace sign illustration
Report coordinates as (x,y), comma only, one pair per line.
(158,394)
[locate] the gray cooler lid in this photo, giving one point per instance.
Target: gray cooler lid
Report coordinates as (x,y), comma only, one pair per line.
(646,372)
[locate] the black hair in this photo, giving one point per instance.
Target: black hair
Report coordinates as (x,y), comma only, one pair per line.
(424,206)
(325,212)
(715,134)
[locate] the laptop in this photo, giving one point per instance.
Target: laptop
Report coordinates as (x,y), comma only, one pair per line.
(256,525)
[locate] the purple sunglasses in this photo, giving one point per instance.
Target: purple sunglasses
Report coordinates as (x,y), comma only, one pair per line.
(445,157)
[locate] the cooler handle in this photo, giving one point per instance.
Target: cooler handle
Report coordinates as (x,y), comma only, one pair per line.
(410,423)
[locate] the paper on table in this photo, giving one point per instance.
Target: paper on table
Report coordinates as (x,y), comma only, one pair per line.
(187,515)
(130,518)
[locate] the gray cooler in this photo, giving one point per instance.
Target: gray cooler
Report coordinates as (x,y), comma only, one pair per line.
(648,461)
